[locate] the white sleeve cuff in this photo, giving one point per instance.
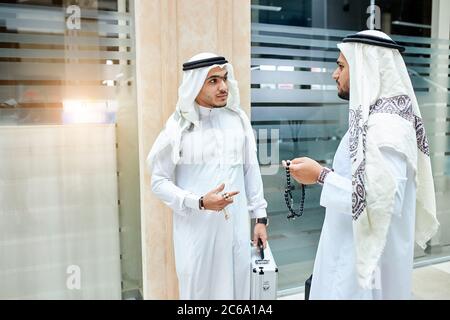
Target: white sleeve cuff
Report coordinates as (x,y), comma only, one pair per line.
(337,193)
(258,213)
(192,201)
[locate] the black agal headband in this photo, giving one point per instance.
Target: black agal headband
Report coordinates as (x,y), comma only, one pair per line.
(373,40)
(203,63)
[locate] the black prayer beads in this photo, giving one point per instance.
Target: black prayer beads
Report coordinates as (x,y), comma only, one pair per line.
(288,198)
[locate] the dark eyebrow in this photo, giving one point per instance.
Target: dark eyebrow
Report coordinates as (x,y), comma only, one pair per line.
(217,76)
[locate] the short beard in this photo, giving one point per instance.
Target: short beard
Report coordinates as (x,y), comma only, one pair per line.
(344,95)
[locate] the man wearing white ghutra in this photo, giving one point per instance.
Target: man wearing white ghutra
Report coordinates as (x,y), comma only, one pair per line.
(204,167)
(379,196)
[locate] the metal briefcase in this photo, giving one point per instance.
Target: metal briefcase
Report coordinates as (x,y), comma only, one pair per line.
(264,279)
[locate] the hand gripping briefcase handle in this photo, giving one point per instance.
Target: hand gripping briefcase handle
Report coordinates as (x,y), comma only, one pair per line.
(261,248)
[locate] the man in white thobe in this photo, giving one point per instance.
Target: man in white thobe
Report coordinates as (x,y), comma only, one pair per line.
(204,167)
(379,196)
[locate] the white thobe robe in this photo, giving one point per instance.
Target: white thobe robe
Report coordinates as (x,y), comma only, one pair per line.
(212,254)
(334,275)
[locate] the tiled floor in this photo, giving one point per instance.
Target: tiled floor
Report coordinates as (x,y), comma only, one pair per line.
(432,282)
(298,296)
(429,283)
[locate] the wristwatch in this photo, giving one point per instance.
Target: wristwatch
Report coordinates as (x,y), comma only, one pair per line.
(200,203)
(264,221)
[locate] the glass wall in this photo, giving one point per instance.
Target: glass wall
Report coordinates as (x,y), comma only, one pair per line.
(69,179)
(294,96)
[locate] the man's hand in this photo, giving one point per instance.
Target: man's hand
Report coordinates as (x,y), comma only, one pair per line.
(214,200)
(260,232)
(304,170)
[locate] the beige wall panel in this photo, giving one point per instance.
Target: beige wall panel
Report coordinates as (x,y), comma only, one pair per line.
(168,32)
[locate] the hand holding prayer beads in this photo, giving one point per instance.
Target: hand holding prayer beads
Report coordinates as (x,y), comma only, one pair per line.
(217,200)
(304,170)
(288,198)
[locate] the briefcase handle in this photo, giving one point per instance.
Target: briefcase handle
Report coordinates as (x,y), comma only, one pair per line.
(261,248)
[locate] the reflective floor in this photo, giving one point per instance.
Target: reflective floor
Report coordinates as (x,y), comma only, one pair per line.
(429,283)
(432,282)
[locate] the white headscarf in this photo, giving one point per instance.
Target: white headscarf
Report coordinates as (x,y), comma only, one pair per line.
(383,112)
(186,114)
